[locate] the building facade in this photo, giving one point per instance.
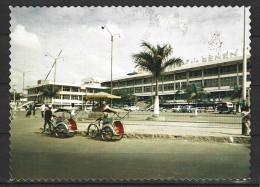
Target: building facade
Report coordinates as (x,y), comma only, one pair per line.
(68,92)
(216,76)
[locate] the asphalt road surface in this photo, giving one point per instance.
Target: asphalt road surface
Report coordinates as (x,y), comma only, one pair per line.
(39,156)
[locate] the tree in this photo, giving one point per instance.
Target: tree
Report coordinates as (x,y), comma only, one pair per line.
(155,59)
(17,96)
(196,94)
(49,91)
(236,93)
(127,97)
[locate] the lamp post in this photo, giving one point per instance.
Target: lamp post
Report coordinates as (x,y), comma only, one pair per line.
(112,41)
(23,79)
(55,62)
(14,98)
(244,60)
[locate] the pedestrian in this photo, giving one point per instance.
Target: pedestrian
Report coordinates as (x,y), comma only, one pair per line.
(47,118)
(42,109)
(33,108)
(29,111)
(73,110)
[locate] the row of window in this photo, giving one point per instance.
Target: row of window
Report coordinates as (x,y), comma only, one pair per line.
(181,76)
(226,81)
(68,97)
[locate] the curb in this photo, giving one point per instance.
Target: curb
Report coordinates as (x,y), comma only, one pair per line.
(222,139)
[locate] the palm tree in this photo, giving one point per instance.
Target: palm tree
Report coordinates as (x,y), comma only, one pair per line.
(196,94)
(155,59)
(49,91)
(236,93)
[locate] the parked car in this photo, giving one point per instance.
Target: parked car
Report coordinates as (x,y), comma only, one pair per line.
(177,108)
(201,109)
(188,108)
(146,108)
(209,109)
(225,107)
(130,108)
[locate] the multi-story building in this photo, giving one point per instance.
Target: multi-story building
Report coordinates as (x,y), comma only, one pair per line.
(215,75)
(67,94)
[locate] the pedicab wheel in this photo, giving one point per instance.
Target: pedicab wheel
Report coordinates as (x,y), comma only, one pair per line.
(92,130)
(107,133)
(61,131)
(119,137)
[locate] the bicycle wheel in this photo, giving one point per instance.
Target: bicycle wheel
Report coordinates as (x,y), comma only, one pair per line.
(107,133)
(92,130)
(119,137)
(61,131)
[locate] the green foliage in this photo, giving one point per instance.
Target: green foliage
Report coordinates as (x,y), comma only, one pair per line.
(17,96)
(236,92)
(49,91)
(127,97)
(196,94)
(149,100)
(155,59)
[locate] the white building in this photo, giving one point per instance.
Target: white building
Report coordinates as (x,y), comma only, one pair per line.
(68,92)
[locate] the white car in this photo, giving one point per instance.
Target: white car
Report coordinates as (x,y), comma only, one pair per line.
(131,108)
(176,109)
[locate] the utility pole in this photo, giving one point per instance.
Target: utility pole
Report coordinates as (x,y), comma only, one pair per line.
(23,79)
(54,64)
(244,60)
(112,42)
(14,97)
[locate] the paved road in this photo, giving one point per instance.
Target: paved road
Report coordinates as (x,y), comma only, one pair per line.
(35,155)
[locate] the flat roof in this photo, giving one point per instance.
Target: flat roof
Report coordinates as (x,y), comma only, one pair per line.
(187,67)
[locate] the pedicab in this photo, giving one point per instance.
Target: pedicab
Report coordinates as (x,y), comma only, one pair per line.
(105,126)
(62,123)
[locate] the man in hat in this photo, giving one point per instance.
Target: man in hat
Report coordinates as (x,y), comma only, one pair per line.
(47,118)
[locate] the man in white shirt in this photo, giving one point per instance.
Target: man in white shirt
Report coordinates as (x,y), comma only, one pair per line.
(43,109)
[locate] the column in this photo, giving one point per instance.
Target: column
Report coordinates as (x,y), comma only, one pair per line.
(219,77)
(202,76)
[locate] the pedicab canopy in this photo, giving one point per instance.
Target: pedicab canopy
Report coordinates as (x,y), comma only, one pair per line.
(101,95)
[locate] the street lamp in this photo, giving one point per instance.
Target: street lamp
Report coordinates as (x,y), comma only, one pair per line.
(55,62)
(14,97)
(112,40)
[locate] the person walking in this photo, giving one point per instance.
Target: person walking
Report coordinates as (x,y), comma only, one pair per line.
(33,108)
(47,118)
(42,109)
(28,114)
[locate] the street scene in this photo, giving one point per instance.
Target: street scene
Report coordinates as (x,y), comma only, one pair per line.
(152,93)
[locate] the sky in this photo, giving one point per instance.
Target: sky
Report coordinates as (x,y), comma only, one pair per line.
(86,48)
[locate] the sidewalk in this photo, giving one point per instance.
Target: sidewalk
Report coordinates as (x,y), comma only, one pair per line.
(180,130)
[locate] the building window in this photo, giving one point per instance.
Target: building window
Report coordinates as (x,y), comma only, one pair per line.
(130,83)
(211,72)
(74,97)
(180,76)
(148,80)
(122,83)
(195,74)
(169,77)
(228,81)
(75,89)
(66,88)
(168,87)
(197,83)
(228,69)
(211,82)
(57,97)
(160,88)
(148,89)
(80,97)
(138,90)
(65,97)
(138,81)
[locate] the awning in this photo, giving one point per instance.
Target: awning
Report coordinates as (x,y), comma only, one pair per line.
(101,95)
